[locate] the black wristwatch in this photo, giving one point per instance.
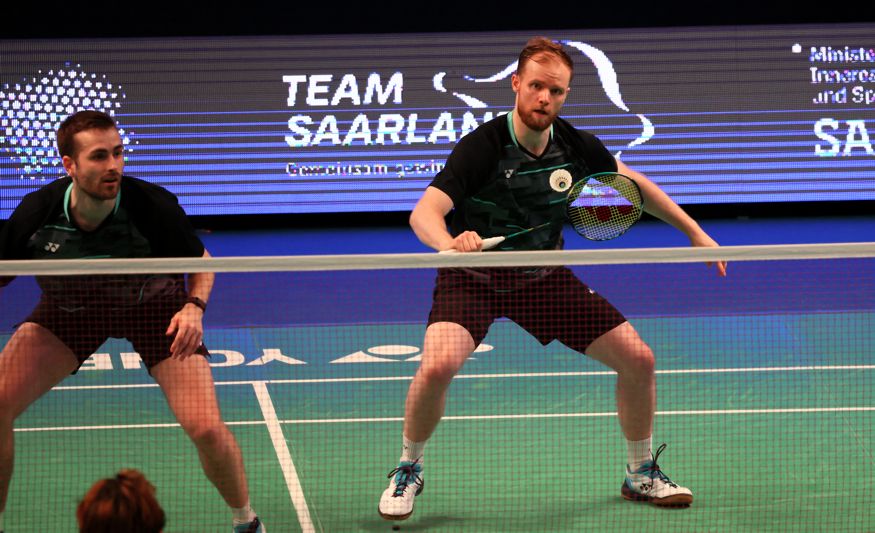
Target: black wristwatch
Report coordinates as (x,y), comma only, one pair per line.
(198,302)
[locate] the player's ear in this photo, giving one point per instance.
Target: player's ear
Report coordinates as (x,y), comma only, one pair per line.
(515,82)
(69,164)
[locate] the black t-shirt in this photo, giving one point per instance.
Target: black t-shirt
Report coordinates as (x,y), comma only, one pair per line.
(499,188)
(146,222)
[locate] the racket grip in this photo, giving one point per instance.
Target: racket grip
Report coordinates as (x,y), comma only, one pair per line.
(491,243)
(488,244)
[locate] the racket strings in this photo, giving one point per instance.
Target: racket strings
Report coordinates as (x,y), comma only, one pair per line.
(604,207)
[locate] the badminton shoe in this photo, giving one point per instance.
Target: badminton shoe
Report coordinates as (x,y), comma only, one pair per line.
(252,527)
(649,484)
(405,485)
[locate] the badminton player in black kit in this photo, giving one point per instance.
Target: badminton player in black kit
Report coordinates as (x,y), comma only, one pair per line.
(97,212)
(496,181)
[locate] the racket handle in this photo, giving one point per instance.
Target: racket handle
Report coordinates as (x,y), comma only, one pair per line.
(491,242)
(488,244)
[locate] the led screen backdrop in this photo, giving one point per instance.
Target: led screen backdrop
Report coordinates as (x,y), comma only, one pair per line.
(362,122)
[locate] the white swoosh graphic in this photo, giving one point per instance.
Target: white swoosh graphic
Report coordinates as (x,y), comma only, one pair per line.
(608,78)
(438,82)
(647,131)
(605,70)
(470,100)
(508,70)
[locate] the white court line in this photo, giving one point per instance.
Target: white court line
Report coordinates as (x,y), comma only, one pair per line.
(591,415)
(275,422)
(293,483)
(85,428)
(807,368)
(133,426)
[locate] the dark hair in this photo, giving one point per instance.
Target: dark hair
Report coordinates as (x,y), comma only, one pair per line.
(125,502)
(543,45)
(81,121)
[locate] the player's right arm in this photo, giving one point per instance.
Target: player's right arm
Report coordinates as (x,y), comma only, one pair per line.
(186,326)
(428,221)
(468,168)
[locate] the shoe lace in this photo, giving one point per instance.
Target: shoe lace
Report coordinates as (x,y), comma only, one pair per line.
(656,472)
(405,474)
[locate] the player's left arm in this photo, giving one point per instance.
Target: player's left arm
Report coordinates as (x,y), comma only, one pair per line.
(660,205)
(187,325)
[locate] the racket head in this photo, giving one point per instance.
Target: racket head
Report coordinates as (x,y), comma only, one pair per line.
(604,206)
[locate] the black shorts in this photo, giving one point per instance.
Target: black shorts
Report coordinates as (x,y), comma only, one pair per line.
(84,330)
(552,305)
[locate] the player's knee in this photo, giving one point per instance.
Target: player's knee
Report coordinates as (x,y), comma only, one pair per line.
(640,361)
(441,367)
(438,373)
(208,435)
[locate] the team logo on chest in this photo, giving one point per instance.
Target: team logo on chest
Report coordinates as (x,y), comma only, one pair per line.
(560,180)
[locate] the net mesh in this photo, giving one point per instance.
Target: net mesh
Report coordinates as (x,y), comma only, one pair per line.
(764,390)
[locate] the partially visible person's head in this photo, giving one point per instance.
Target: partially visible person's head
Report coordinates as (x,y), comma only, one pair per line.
(78,122)
(542,49)
(541,83)
(124,503)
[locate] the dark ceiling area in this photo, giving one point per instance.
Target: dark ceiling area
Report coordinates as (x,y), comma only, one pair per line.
(25,19)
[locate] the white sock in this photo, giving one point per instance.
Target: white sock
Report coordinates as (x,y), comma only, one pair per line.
(242,515)
(412,451)
(638,452)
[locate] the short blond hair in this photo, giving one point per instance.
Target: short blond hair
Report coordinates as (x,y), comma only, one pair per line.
(543,45)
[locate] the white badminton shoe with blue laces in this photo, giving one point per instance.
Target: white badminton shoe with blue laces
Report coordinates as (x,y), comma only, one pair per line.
(405,485)
(650,484)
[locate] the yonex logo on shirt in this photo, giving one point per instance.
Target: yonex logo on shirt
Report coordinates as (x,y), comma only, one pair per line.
(52,247)
(508,173)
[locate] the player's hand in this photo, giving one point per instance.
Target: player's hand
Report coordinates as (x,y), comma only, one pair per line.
(467,241)
(187,328)
(703,239)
